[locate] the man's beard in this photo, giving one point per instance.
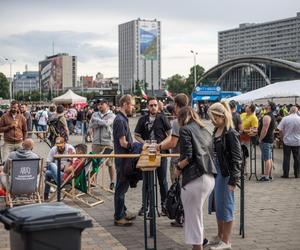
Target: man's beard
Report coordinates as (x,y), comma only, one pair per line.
(60,150)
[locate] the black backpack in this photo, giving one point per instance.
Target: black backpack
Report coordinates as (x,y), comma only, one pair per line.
(56,129)
(174,206)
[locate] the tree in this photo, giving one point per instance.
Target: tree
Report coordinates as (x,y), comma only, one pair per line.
(190,81)
(176,84)
(4,86)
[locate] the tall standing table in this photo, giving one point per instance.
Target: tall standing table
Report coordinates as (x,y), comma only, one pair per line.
(149,195)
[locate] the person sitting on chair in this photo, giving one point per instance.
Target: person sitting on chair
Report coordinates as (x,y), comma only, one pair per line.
(66,170)
(25,152)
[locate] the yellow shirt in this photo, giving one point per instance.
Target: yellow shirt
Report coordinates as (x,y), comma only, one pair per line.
(249,121)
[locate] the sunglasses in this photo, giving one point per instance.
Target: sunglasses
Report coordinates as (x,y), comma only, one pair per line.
(152,105)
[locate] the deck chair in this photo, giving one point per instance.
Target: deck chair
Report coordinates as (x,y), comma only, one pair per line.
(23,181)
(75,187)
(97,166)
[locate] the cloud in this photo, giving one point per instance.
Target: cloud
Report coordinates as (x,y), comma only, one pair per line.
(33,46)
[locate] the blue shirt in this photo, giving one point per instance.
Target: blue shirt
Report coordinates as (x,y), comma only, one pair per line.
(121,128)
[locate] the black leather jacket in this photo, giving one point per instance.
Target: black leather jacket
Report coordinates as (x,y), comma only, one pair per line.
(231,158)
(196,147)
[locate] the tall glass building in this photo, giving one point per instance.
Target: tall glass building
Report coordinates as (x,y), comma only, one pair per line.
(140,55)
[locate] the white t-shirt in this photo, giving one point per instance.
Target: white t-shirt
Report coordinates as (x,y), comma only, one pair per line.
(42,117)
(290,127)
(69,149)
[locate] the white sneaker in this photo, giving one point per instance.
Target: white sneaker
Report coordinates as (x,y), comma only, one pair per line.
(214,241)
(221,246)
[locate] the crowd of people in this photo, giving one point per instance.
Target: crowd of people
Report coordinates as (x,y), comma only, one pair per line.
(208,166)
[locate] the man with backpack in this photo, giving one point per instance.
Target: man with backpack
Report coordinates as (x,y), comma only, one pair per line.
(58,126)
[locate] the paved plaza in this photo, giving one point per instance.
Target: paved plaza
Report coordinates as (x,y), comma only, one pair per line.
(272,216)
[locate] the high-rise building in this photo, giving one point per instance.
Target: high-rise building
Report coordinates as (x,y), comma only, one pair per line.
(25,82)
(275,39)
(140,55)
(58,72)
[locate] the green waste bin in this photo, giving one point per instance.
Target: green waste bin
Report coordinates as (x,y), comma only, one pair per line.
(44,226)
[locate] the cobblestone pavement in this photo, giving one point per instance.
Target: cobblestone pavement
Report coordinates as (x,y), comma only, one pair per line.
(272,217)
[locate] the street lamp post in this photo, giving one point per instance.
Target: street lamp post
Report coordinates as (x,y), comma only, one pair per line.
(195,69)
(10,76)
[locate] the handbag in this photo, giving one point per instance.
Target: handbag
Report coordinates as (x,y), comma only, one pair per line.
(174,207)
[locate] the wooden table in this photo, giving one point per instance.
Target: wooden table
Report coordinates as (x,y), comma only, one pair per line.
(148,168)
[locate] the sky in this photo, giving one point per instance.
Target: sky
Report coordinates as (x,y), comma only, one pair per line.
(89,30)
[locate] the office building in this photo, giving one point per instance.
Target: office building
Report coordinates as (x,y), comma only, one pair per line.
(274,39)
(27,81)
(140,55)
(58,72)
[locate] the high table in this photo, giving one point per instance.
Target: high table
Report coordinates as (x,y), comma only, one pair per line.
(149,195)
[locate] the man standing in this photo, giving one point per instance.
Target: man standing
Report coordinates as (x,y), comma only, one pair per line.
(266,137)
(122,144)
(289,129)
(155,126)
(101,123)
(236,118)
(27,115)
(13,125)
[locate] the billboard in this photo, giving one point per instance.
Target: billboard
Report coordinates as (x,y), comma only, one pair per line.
(148,40)
(51,74)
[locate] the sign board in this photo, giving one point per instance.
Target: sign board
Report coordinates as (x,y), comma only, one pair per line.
(148,39)
(208,90)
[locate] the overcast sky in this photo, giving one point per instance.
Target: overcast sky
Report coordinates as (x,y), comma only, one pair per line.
(89,29)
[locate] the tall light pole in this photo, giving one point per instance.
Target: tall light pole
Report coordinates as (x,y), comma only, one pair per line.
(195,70)
(10,76)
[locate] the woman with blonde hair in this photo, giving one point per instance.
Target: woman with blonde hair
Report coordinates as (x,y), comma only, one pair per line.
(197,168)
(228,159)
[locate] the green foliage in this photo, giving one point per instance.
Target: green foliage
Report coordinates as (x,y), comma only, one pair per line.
(190,81)
(4,86)
(34,96)
(176,84)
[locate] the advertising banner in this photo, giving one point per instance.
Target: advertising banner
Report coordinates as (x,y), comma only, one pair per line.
(51,74)
(148,40)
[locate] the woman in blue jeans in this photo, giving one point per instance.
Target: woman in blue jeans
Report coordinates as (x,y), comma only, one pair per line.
(228,159)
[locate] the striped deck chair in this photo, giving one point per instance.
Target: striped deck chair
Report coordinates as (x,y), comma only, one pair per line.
(75,186)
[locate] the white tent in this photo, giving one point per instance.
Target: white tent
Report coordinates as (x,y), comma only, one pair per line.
(69,98)
(275,90)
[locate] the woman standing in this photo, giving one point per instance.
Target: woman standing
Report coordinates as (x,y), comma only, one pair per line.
(228,158)
(197,168)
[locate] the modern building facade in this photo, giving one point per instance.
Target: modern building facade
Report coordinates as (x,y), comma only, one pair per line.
(27,81)
(275,39)
(58,72)
(140,55)
(247,73)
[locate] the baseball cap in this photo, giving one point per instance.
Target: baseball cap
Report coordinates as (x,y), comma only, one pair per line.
(102,100)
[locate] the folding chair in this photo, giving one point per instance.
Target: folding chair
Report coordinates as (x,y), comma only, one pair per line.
(98,165)
(23,181)
(78,191)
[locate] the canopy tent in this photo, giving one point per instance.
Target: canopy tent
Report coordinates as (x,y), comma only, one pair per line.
(69,98)
(275,90)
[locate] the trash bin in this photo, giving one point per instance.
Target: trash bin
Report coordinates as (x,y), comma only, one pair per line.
(44,226)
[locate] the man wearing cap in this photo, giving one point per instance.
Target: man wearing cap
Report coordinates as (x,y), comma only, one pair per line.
(101,123)
(266,138)
(61,147)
